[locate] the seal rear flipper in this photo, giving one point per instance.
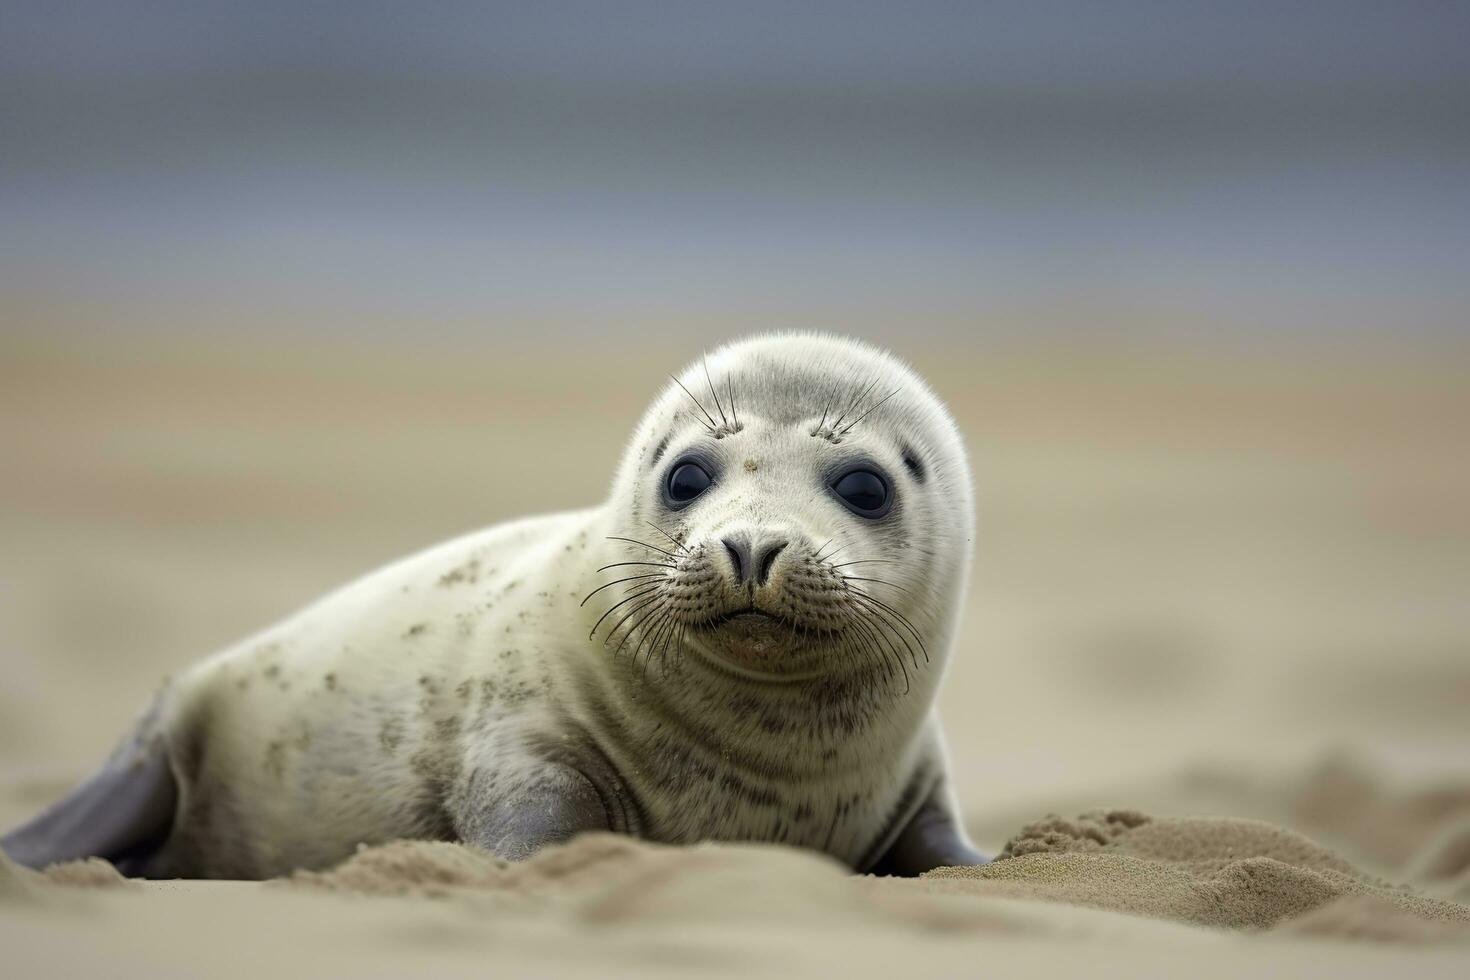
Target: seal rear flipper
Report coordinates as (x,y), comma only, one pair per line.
(123,812)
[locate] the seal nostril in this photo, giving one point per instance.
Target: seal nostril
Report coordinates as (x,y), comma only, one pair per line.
(767,560)
(739,553)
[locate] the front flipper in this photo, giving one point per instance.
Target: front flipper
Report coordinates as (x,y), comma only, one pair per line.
(930,839)
(513,817)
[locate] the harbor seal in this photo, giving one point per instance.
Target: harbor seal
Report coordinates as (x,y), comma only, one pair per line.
(743,643)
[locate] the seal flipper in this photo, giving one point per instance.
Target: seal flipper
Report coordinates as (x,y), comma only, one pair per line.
(550,805)
(123,812)
(930,838)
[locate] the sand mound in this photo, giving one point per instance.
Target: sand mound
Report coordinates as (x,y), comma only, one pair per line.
(86,873)
(1218,872)
(1373,814)
(1370,917)
(1443,864)
(17,884)
(602,879)
(409,868)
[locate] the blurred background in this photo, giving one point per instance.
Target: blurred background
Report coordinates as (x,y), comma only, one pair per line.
(288,290)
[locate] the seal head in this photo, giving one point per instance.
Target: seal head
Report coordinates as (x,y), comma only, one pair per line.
(797,507)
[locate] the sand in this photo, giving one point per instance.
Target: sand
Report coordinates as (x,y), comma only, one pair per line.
(1218,610)
(1120,882)
(1211,871)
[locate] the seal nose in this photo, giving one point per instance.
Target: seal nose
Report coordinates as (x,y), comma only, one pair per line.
(752,563)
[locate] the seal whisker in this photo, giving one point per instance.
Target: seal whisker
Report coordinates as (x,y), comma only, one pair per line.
(882,618)
(864,634)
(662,650)
(677,543)
(714,394)
(876,581)
(678,648)
(619,581)
(696,418)
(625,599)
(866,561)
(852,647)
(889,610)
(644,544)
(712,423)
(635,627)
(888,656)
(840,549)
(869,597)
(647,601)
(655,564)
(645,628)
(831,395)
(869,622)
(659,639)
(848,428)
(649,636)
(852,406)
(730,391)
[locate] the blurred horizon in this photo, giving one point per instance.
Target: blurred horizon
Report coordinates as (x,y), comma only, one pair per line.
(931,174)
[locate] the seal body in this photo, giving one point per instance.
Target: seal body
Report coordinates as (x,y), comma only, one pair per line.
(739,644)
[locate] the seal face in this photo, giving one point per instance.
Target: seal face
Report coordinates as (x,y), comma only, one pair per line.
(742,643)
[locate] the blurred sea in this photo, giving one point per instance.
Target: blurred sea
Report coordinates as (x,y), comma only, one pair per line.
(513,173)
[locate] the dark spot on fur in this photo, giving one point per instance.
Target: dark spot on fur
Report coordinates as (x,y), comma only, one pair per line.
(330,682)
(415,630)
(658,451)
(463,690)
(446,728)
(468,573)
(273,671)
(912,463)
(390,734)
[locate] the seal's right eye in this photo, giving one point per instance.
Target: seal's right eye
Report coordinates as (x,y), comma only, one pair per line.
(687,481)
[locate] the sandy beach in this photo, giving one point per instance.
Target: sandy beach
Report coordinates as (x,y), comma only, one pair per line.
(1209,704)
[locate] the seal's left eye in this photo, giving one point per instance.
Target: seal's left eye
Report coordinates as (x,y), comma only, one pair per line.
(687,481)
(864,492)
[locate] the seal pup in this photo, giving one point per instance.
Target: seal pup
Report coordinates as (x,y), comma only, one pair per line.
(743,643)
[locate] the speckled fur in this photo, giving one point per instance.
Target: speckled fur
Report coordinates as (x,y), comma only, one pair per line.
(444,686)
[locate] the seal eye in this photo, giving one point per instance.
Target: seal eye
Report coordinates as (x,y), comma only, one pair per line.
(687,481)
(864,492)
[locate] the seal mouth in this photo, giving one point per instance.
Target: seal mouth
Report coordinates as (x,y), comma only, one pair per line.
(749,618)
(757,645)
